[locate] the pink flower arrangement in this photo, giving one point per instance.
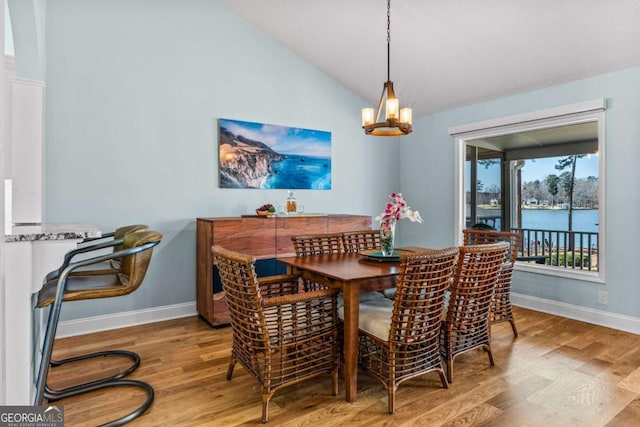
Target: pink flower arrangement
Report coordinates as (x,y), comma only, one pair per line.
(396,210)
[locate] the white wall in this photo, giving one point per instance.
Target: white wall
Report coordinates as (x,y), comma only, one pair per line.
(428,164)
(134,90)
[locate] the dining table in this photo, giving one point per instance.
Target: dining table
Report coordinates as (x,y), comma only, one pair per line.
(352,273)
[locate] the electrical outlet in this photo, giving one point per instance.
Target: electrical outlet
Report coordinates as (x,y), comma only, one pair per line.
(603,297)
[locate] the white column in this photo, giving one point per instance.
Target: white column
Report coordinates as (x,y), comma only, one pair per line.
(17,308)
(27,149)
(26,264)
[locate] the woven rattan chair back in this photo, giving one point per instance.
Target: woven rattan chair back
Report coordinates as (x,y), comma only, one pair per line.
(483,237)
(501,310)
(318,244)
(361,240)
(280,336)
(466,324)
(412,348)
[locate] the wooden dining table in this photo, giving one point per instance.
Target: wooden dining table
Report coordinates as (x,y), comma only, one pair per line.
(352,274)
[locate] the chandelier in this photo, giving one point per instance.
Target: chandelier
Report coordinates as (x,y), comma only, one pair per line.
(397,120)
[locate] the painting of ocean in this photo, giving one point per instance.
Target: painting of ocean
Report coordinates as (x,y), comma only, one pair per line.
(256,155)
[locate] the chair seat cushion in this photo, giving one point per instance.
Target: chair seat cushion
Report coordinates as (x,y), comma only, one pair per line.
(445,308)
(390,293)
(375,316)
(85,287)
(364,297)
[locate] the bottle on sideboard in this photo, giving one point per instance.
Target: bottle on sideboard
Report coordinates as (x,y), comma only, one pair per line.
(291,206)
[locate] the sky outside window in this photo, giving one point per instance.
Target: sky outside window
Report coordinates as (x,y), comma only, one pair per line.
(539,169)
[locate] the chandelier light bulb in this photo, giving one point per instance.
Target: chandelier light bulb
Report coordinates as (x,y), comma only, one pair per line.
(367,116)
(392,108)
(406,115)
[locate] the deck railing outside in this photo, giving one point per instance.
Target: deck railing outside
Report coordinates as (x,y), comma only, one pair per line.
(553,247)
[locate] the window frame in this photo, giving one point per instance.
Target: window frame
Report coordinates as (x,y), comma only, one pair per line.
(591,111)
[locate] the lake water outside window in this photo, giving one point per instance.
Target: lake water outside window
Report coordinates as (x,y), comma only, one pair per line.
(545,188)
(544,199)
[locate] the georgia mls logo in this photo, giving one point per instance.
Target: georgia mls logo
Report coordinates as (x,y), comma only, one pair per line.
(31,416)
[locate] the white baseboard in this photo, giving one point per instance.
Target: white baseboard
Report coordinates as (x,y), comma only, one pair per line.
(122,320)
(584,314)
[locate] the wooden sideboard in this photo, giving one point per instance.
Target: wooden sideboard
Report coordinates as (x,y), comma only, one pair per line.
(265,238)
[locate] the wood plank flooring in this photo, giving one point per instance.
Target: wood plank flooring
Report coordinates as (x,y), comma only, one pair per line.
(558,372)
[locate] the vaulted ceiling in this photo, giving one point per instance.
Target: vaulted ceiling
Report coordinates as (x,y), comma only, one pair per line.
(446,54)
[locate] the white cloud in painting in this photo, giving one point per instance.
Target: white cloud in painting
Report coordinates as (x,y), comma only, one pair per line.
(282,139)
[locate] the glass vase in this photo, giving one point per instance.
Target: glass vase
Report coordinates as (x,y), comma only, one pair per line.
(387,237)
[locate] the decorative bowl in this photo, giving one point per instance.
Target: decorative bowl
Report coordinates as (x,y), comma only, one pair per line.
(263,213)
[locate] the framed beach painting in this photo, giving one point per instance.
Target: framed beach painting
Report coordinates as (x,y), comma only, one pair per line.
(257,155)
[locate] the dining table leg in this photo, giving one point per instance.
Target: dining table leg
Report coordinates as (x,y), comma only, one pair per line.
(351,293)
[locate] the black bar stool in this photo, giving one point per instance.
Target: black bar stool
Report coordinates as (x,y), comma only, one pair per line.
(72,284)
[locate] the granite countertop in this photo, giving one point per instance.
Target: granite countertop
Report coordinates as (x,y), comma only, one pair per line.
(34,232)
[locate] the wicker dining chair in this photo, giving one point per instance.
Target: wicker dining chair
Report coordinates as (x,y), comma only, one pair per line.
(280,336)
(465,325)
(501,310)
(360,240)
(317,244)
(402,342)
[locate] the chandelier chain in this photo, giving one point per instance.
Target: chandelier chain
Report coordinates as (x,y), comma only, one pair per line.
(388,21)
(388,40)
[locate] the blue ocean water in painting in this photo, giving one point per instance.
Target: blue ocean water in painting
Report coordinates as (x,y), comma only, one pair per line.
(296,172)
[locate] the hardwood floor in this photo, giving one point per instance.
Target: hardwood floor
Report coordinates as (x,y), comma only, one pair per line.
(558,372)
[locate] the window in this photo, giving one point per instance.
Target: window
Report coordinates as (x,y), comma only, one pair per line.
(484,174)
(540,174)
